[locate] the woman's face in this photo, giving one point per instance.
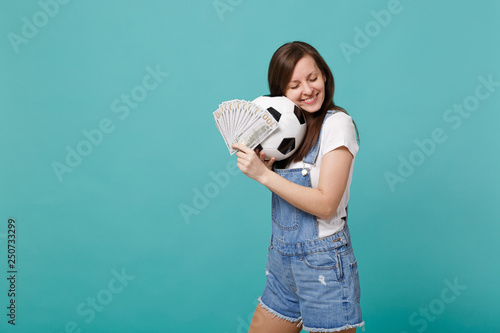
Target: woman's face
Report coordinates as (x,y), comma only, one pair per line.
(307,85)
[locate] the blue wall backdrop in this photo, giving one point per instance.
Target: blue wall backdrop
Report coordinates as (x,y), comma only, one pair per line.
(130,215)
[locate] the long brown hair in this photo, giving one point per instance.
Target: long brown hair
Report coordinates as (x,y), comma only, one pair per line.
(280,72)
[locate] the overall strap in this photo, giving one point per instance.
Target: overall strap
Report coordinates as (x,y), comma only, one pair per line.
(313,153)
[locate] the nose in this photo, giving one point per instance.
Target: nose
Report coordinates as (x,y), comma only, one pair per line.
(307,89)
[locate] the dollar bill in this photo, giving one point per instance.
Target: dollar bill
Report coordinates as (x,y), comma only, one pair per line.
(243,122)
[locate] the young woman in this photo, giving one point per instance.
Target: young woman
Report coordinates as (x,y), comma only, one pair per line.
(312,273)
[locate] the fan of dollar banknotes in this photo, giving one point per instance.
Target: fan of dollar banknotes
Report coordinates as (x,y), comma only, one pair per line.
(244,122)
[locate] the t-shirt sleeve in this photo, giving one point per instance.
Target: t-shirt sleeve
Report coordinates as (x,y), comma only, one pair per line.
(338,130)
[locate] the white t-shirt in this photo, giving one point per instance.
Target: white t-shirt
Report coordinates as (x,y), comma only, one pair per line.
(338,130)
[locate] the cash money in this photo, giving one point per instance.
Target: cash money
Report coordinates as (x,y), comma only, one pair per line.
(243,122)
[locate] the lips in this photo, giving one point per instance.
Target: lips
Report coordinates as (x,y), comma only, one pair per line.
(311,100)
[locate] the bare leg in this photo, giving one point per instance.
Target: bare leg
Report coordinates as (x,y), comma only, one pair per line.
(265,322)
(351,330)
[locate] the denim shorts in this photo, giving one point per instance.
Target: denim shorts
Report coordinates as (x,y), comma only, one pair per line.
(314,283)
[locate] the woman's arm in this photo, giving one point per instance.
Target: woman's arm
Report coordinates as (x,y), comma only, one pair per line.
(321,202)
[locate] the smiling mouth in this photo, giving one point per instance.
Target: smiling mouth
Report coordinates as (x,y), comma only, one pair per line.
(311,100)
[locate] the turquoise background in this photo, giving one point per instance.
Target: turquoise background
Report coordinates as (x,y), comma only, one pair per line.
(120,209)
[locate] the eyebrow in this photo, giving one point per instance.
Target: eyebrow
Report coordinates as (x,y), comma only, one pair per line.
(313,72)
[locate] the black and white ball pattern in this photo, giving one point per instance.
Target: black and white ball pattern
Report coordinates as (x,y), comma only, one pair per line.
(285,140)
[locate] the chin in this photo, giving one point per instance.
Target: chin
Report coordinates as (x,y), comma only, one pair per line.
(312,108)
(309,109)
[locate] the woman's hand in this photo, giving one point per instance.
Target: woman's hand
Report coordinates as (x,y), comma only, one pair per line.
(268,163)
(252,164)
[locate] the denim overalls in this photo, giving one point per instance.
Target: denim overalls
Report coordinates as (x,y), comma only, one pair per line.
(310,279)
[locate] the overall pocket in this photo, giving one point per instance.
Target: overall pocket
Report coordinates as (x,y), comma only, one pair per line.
(328,260)
(284,215)
(355,277)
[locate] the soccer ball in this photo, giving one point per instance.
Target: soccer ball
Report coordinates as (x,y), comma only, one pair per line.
(286,139)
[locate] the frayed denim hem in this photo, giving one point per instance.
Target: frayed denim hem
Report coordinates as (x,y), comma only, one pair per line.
(346,327)
(279,315)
